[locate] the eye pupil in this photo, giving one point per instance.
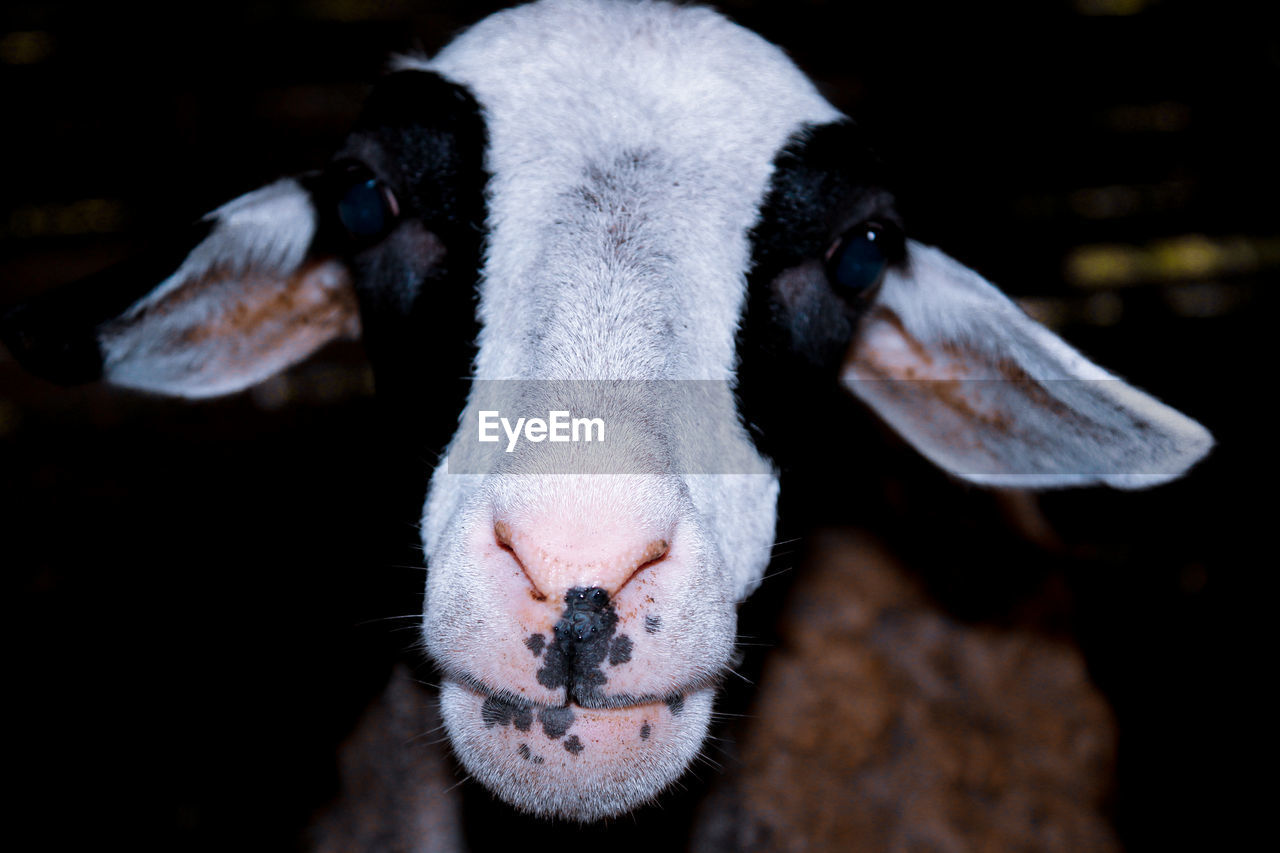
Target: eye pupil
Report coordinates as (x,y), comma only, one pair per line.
(367,208)
(859,260)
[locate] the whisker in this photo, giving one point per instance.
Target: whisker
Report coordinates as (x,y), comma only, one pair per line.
(427,733)
(776,545)
(433,742)
(727,715)
(459,783)
(377,619)
(778,573)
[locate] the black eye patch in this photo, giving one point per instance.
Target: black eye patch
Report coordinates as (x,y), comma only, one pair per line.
(827,234)
(402,205)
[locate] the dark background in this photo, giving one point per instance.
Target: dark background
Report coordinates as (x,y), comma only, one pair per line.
(196,594)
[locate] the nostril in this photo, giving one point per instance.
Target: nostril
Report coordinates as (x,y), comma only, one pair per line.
(655,551)
(652,554)
(502,534)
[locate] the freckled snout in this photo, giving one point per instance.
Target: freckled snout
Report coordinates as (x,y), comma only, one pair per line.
(581,654)
(575,763)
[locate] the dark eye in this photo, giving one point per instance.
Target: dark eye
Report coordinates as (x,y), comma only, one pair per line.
(857,261)
(366,206)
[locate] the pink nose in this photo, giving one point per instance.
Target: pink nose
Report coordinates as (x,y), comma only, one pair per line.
(580,553)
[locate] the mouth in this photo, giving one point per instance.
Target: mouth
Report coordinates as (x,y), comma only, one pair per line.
(588,700)
(572,761)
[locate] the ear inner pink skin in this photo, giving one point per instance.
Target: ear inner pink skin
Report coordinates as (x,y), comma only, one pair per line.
(995,398)
(242,327)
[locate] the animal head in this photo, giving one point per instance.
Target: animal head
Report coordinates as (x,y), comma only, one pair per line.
(674,239)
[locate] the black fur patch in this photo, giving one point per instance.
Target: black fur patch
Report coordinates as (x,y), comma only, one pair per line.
(582,640)
(573,746)
(426,139)
(500,712)
(652,624)
(797,328)
(620,650)
(535,644)
(556,721)
(644,731)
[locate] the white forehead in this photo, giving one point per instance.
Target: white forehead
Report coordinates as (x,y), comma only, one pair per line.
(567,86)
(637,65)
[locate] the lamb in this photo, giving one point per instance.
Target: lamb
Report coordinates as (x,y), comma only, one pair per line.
(672,232)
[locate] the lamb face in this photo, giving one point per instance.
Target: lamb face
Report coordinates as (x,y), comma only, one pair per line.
(630,150)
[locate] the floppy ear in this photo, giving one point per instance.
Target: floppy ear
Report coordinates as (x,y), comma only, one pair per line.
(995,398)
(243,298)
